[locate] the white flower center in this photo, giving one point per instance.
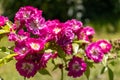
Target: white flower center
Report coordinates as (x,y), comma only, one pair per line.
(35,46)
(57,30)
(103,45)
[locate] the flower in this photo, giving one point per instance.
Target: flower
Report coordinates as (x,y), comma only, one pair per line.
(26,68)
(74,24)
(68,49)
(105,45)
(94,52)
(76,67)
(65,37)
(24,14)
(35,44)
(3,20)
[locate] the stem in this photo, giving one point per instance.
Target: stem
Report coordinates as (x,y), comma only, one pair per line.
(62,74)
(25,78)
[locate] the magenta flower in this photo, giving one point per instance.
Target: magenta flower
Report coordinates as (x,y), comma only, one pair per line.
(65,37)
(35,44)
(26,68)
(68,49)
(34,24)
(21,50)
(94,52)
(24,14)
(3,20)
(74,24)
(76,67)
(105,45)
(89,31)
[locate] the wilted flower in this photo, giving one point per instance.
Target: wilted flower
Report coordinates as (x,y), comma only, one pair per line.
(76,67)
(94,52)
(105,45)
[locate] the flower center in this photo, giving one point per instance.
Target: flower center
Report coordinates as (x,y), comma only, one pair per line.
(57,30)
(76,66)
(103,45)
(27,67)
(35,46)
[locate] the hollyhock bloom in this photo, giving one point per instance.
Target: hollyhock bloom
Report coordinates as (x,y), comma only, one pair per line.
(76,67)
(3,20)
(105,45)
(24,14)
(34,24)
(74,24)
(35,44)
(26,68)
(94,52)
(65,37)
(21,50)
(68,49)
(19,37)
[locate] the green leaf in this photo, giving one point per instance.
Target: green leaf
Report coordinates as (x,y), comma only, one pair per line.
(87,73)
(81,41)
(56,66)
(6,59)
(110,74)
(4,31)
(44,72)
(103,70)
(61,53)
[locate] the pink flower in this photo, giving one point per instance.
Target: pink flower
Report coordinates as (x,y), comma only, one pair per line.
(3,20)
(74,24)
(26,68)
(94,52)
(24,14)
(105,45)
(89,31)
(68,49)
(76,67)
(35,44)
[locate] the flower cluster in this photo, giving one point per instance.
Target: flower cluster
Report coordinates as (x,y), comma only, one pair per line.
(38,40)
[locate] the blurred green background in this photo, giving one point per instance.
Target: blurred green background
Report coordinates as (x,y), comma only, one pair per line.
(103,15)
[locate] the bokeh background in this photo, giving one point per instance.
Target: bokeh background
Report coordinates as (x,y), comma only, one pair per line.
(103,15)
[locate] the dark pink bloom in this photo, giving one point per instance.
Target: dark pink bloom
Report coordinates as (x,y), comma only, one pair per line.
(76,67)
(94,52)
(89,31)
(21,50)
(19,36)
(3,20)
(35,44)
(74,24)
(68,49)
(65,37)
(34,24)
(26,68)
(105,45)
(24,14)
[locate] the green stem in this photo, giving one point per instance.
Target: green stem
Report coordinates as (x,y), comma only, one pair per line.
(25,78)
(62,74)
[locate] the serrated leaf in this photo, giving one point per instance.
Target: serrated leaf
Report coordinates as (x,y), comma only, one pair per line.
(110,74)
(75,48)
(44,72)
(103,70)
(7,58)
(87,73)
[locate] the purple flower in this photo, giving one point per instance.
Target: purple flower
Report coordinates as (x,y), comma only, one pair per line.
(89,31)
(76,67)
(94,52)
(35,44)
(3,20)
(74,24)
(24,14)
(34,24)
(65,37)
(68,49)
(21,50)
(26,68)
(19,37)
(105,45)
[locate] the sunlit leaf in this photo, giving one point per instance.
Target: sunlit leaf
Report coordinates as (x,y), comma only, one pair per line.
(75,48)
(104,69)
